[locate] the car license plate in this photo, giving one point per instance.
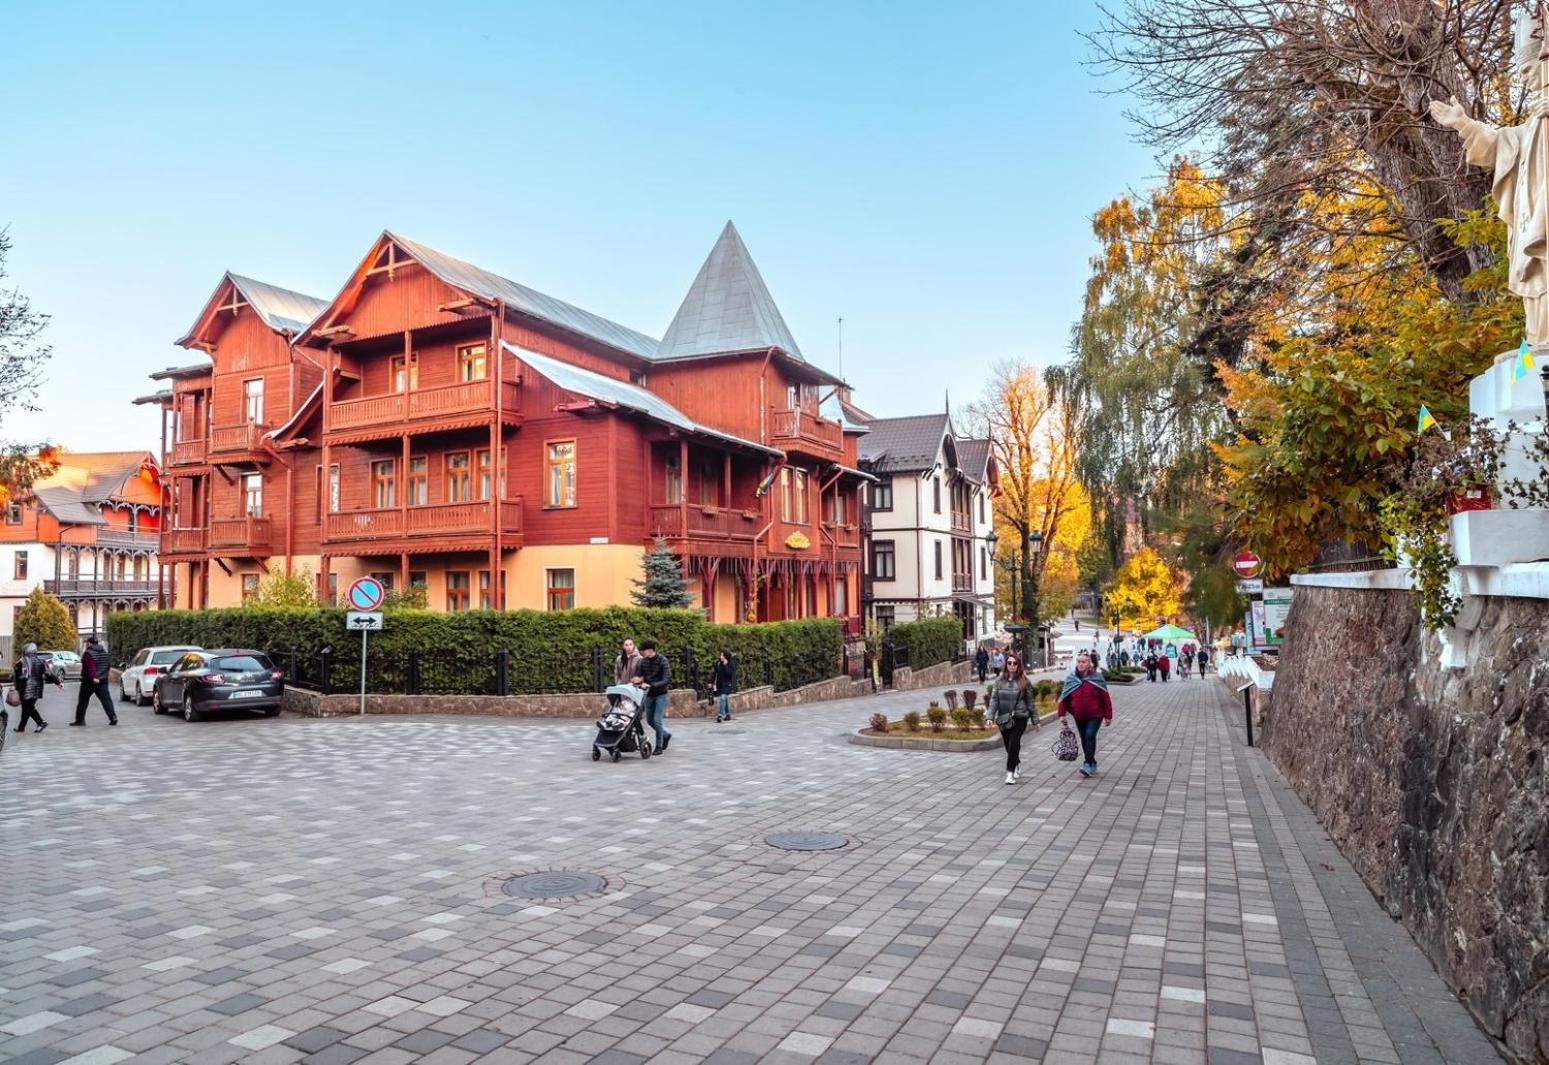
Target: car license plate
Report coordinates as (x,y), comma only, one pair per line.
(246,695)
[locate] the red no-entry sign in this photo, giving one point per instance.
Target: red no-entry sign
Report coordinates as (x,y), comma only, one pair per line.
(1247,564)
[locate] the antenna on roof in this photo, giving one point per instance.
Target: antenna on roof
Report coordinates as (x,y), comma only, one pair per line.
(841,347)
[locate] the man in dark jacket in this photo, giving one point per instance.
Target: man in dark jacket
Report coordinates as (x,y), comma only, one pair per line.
(30,674)
(94,681)
(982,662)
(656,675)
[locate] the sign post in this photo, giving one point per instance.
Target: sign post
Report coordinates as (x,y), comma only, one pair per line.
(363,597)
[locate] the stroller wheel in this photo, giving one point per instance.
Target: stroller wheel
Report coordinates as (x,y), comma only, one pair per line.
(645,751)
(596,754)
(615,754)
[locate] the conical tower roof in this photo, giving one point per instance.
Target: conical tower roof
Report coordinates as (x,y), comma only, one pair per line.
(728,308)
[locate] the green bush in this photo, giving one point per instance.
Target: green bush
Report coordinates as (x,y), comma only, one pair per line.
(879,722)
(912,721)
(930,641)
(45,621)
(964,718)
(550,651)
(938,717)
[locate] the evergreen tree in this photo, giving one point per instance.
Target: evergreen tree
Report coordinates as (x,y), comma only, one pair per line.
(45,621)
(663,585)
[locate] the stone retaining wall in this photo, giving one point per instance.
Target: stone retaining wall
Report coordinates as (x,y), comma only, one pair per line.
(1432,782)
(680,703)
(942,673)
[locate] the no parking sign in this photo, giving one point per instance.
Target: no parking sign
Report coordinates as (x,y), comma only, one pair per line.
(365,594)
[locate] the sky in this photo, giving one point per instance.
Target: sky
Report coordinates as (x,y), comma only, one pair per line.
(927,172)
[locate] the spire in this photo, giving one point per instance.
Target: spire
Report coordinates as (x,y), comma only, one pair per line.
(728,308)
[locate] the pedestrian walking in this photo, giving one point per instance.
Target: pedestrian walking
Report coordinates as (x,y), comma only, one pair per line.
(626,667)
(94,681)
(998,661)
(1150,664)
(1204,660)
(1011,707)
(982,662)
(725,684)
(1164,666)
(657,678)
(1084,696)
(29,676)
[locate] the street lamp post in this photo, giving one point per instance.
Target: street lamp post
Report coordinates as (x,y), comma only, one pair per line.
(1031,543)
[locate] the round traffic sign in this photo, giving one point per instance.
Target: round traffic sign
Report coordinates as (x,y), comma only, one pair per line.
(365,593)
(1247,564)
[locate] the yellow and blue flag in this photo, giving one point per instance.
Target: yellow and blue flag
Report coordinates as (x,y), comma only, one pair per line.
(1525,363)
(1426,420)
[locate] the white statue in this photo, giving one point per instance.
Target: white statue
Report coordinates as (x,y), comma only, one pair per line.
(1517,155)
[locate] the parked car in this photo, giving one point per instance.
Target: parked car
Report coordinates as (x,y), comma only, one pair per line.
(66,665)
(224,679)
(139,677)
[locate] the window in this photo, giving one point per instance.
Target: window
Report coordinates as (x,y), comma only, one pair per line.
(253,401)
(885,615)
(333,489)
(20,572)
(383,577)
(458,478)
(561,488)
(13,513)
(841,606)
(882,494)
(484,602)
(333,589)
(73,565)
(799,486)
(709,483)
(384,484)
(418,579)
(882,560)
(486,475)
(249,586)
(456,590)
(984,564)
(840,509)
(253,495)
(561,589)
(980,497)
(418,487)
(937,546)
(785,493)
(404,372)
(472,362)
(936,493)
(673,481)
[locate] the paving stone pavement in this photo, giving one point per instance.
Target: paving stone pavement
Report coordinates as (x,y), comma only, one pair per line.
(329,892)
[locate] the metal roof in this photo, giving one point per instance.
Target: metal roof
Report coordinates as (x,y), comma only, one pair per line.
(198,369)
(974,457)
(728,308)
(75,491)
(160,398)
(64,504)
(623,394)
(834,409)
(897,445)
(481,282)
(282,309)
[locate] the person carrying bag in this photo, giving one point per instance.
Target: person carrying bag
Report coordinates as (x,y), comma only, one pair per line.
(1011,706)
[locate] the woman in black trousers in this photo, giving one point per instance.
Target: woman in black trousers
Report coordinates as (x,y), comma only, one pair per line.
(1011,706)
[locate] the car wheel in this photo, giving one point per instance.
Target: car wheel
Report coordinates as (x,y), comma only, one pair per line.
(139,695)
(189,713)
(123,696)
(156,704)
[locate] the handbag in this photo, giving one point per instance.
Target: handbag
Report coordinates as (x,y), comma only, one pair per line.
(13,697)
(1065,746)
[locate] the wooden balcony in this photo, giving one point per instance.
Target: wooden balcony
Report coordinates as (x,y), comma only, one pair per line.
(962,584)
(188,452)
(442,519)
(182,541)
(239,535)
(843,535)
(227,439)
(136,538)
(800,430)
(472,397)
(704,523)
(960,522)
(86,587)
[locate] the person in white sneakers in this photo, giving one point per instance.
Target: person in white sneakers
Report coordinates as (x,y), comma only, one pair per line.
(1011,707)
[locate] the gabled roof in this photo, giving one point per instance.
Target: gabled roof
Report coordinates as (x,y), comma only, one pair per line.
(974,457)
(611,392)
(836,410)
(900,445)
(84,480)
(201,369)
(854,413)
(283,310)
(728,308)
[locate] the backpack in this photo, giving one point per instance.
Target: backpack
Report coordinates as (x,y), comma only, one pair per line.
(1065,746)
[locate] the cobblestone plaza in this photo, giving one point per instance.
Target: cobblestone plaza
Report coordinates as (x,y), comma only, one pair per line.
(332,892)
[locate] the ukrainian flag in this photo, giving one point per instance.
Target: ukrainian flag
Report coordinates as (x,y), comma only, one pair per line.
(1426,420)
(1524,364)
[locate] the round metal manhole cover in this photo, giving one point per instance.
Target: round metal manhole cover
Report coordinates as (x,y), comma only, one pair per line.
(556,884)
(807,841)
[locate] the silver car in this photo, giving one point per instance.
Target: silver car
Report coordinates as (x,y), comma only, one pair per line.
(139,677)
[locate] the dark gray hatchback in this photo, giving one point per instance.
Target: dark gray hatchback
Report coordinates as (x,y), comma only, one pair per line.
(222,679)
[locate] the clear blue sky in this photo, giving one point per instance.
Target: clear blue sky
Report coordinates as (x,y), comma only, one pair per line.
(925,171)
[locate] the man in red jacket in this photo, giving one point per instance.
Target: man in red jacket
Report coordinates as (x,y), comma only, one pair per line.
(1085,697)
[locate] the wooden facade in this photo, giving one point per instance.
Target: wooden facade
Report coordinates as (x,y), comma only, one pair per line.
(435,424)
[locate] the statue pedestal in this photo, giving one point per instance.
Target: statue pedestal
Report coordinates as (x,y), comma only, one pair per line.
(1500,537)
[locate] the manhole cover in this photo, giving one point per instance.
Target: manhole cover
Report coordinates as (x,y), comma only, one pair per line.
(557,884)
(806,841)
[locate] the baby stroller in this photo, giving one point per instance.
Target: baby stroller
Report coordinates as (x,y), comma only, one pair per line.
(620,730)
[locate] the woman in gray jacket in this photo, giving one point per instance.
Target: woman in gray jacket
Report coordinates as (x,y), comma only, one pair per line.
(28,678)
(1011,706)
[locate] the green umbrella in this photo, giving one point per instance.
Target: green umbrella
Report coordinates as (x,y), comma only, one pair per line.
(1169,632)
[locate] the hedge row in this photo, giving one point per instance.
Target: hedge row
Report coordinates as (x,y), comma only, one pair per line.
(930,641)
(550,651)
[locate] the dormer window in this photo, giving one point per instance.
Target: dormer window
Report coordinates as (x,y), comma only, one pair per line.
(253,401)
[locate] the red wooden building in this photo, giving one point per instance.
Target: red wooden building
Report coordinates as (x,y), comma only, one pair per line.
(440,425)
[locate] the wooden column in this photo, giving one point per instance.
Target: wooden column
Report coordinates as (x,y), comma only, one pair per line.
(726,479)
(403,571)
(497,593)
(683,487)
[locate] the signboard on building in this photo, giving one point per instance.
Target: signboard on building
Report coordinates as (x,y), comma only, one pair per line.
(1276,607)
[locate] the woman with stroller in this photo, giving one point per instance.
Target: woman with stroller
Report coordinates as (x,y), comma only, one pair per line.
(1011,706)
(725,683)
(626,667)
(29,677)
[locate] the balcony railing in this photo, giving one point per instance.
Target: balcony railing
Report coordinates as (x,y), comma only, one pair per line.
(188,452)
(471,397)
(127,538)
(794,427)
(242,437)
(844,535)
(181,540)
(708,523)
(962,583)
(84,586)
(441,519)
(240,532)
(960,522)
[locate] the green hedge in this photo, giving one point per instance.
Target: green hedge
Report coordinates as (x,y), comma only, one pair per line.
(550,651)
(930,641)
